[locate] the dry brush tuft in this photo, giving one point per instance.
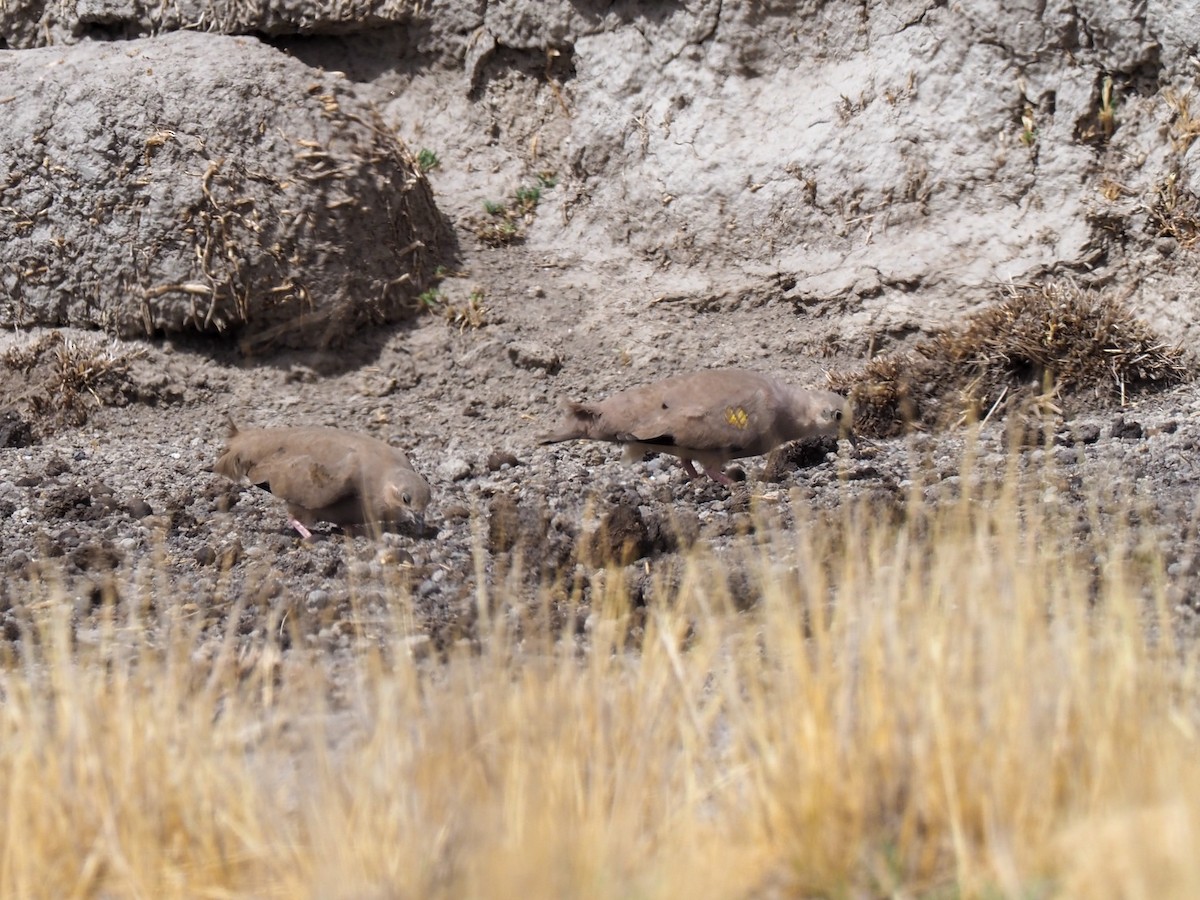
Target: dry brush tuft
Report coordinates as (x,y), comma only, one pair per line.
(964,702)
(1044,344)
(56,381)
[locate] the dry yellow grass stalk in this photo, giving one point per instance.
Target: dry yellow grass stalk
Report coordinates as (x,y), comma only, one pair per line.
(972,703)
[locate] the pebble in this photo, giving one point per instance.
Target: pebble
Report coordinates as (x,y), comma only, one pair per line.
(453,468)
(498,459)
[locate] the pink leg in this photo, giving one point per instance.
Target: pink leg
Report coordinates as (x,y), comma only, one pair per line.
(717,475)
(299,526)
(689,468)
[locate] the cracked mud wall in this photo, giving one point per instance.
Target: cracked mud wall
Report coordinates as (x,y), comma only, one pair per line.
(890,164)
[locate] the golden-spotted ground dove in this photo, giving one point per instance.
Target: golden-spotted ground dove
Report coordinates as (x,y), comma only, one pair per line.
(327,475)
(711,417)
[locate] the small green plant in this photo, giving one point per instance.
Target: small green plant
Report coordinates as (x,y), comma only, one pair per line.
(1107,116)
(1100,128)
(427,160)
(430,299)
(472,313)
(547,179)
(1028,131)
(498,233)
(508,220)
(527,199)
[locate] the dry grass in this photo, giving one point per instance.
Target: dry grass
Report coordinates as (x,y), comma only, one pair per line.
(1041,345)
(57,381)
(1173,211)
(973,704)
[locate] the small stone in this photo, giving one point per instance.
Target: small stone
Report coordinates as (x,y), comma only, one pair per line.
(394,556)
(1085,433)
(800,454)
(498,459)
(1065,456)
(862,473)
(534,355)
(298,374)
(453,468)
(139,509)
(57,466)
(1122,429)
(14,431)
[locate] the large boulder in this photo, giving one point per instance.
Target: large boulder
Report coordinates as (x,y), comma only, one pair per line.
(194,182)
(34,23)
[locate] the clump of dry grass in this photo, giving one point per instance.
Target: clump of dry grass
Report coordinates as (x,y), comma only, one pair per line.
(59,379)
(972,704)
(1173,211)
(1045,343)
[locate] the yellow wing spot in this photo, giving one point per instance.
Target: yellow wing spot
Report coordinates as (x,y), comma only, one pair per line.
(737,417)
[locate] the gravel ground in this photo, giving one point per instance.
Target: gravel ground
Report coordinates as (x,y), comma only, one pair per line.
(130,489)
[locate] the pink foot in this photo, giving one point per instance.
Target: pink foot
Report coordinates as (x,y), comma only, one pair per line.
(299,526)
(717,475)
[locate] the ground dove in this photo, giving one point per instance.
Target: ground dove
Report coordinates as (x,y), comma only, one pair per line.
(327,475)
(710,417)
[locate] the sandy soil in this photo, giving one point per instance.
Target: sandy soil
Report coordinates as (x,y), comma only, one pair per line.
(129,495)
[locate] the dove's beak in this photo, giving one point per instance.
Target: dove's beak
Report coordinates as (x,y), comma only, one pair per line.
(412,521)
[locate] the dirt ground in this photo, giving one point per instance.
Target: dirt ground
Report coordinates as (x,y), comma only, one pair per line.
(694,213)
(123,492)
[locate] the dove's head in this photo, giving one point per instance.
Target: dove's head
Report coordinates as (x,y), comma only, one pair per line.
(405,496)
(824,412)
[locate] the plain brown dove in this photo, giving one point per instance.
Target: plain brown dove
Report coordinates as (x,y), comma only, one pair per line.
(711,417)
(327,475)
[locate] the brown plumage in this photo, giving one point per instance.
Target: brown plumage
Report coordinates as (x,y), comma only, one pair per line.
(327,475)
(710,417)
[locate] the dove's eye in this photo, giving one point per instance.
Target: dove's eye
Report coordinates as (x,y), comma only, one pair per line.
(837,415)
(407,498)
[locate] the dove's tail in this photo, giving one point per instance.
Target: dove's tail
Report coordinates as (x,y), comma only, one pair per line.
(578,423)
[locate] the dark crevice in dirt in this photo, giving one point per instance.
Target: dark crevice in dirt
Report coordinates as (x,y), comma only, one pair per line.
(362,56)
(633,11)
(109,30)
(553,66)
(369,345)
(1145,79)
